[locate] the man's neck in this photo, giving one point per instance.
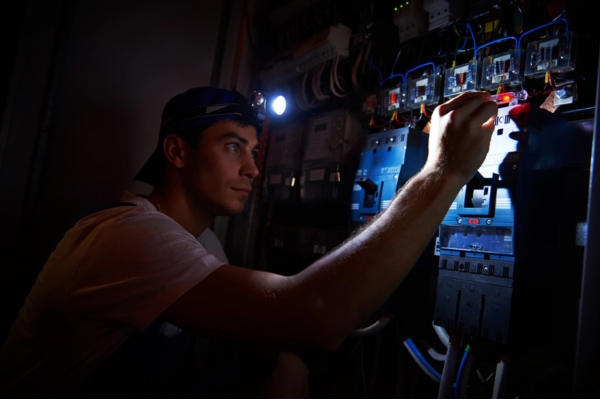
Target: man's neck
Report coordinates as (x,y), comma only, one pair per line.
(175,206)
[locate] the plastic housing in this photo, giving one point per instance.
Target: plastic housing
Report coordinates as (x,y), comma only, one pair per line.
(423,90)
(462,78)
(501,70)
(556,54)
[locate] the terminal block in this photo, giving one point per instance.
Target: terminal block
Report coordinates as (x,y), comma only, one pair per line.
(461,79)
(369,106)
(423,90)
(550,55)
(501,70)
(394,100)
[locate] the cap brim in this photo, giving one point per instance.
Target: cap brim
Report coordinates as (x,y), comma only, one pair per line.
(150,172)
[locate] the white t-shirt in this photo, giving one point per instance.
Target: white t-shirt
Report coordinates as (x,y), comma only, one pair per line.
(111,275)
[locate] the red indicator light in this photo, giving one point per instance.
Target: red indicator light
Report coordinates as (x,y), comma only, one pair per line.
(393,98)
(473,221)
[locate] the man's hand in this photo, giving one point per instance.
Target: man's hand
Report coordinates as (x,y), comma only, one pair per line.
(460,134)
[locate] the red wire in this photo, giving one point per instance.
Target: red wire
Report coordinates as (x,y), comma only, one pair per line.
(425,112)
(406,121)
(374,124)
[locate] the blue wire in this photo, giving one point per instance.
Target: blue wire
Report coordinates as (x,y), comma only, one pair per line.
(542,27)
(390,77)
(473,36)
(376,69)
(464,43)
(420,66)
(495,41)
(459,376)
(418,354)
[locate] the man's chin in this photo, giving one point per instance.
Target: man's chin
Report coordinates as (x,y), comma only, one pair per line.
(232,210)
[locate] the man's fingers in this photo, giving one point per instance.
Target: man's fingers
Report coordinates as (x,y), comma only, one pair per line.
(484,113)
(469,100)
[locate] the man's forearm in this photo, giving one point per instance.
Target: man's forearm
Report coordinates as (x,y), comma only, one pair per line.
(350,283)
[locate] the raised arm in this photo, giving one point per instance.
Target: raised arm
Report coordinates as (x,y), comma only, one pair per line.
(325,302)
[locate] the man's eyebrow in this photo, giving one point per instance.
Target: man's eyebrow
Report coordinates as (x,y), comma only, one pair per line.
(234,135)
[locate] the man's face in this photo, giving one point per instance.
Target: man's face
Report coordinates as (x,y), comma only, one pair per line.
(219,175)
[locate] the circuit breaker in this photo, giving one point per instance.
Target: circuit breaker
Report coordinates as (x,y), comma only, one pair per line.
(387,161)
(476,238)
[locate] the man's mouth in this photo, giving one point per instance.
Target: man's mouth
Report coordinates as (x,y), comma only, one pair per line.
(243,191)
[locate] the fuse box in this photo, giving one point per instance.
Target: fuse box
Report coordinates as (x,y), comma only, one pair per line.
(501,70)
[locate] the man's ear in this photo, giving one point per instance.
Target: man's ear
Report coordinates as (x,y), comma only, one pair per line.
(175,149)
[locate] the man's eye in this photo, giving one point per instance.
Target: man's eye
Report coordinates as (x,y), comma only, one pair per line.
(254,155)
(234,146)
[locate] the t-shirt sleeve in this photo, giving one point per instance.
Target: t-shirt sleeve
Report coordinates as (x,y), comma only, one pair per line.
(134,267)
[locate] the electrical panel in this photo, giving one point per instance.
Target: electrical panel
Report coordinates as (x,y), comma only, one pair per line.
(504,271)
(282,166)
(330,158)
(387,161)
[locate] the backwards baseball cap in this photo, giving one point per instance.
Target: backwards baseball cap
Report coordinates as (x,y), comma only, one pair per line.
(195,110)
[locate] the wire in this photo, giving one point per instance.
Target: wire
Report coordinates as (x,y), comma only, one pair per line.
(442,334)
(500,379)
(376,69)
(335,76)
(456,49)
(301,99)
(542,27)
(433,353)
(396,61)
(494,42)
(395,118)
(420,66)
(421,361)
(355,84)
(449,371)
(461,377)
(376,326)
(391,77)
(316,84)
(372,123)
(424,111)
(333,81)
(473,36)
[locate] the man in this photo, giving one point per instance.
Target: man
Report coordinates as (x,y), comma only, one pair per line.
(134,267)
